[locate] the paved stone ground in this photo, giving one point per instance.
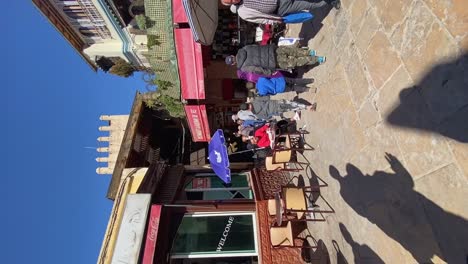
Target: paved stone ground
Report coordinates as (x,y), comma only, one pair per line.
(391,130)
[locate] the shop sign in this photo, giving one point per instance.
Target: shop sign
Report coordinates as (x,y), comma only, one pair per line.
(130,235)
(226,231)
(198,122)
(201,183)
(152,234)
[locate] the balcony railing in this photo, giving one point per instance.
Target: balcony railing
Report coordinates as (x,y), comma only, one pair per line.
(96,19)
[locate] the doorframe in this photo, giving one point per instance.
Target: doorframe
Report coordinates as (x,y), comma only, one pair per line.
(221,255)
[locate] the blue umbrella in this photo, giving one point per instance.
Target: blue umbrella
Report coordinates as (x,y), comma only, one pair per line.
(218,156)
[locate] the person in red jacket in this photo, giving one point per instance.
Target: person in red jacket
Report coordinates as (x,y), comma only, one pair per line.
(260,137)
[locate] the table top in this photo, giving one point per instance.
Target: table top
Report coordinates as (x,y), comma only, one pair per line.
(279,209)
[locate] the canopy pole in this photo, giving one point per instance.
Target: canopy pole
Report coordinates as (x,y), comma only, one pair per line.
(243,151)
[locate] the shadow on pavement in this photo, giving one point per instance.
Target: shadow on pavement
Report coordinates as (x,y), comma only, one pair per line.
(310,28)
(438,103)
(319,255)
(308,31)
(362,253)
(340,258)
(389,201)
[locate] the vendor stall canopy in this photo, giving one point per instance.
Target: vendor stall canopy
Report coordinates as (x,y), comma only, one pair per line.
(203,19)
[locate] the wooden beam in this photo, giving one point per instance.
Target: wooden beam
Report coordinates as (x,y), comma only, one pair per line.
(207,167)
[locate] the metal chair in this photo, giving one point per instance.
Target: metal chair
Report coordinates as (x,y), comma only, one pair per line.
(282,158)
(290,143)
(282,236)
(295,202)
(282,164)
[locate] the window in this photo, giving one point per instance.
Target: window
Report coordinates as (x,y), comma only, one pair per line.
(207,186)
(216,235)
(74,14)
(88,32)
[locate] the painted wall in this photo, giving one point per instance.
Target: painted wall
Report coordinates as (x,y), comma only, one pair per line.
(130,183)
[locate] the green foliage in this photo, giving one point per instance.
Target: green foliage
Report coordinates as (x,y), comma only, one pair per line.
(122,68)
(105,63)
(163,85)
(153,40)
(158,101)
(141,21)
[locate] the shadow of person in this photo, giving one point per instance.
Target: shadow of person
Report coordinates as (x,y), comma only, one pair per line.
(389,201)
(310,28)
(362,253)
(340,258)
(319,255)
(438,103)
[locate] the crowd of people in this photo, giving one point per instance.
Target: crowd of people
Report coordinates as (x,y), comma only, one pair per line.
(268,68)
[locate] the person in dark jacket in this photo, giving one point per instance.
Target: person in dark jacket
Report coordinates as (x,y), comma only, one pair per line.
(265,108)
(272,86)
(267,59)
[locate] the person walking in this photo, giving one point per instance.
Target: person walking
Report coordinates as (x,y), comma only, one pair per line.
(265,108)
(244,115)
(273,11)
(271,86)
(266,60)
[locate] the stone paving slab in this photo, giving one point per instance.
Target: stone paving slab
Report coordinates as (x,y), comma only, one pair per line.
(390,131)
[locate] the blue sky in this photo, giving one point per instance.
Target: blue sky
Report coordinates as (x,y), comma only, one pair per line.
(55,210)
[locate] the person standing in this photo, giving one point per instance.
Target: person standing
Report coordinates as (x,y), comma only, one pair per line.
(273,11)
(271,86)
(265,108)
(266,60)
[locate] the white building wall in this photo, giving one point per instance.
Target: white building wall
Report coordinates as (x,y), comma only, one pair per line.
(111,38)
(108,48)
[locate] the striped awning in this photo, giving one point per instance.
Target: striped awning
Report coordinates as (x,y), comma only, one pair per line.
(203,19)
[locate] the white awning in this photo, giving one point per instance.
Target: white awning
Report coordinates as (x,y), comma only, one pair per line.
(203,19)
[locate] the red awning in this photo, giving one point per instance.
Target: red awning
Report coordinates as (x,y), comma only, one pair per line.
(190,62)
(198,122)
(178,12)
(152,234)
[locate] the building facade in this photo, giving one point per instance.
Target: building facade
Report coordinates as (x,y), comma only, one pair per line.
(99,28)
(169,210)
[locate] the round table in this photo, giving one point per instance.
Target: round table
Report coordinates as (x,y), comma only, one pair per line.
(279,209)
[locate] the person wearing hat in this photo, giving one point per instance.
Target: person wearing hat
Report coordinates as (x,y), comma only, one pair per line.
(273,11)
(266,59)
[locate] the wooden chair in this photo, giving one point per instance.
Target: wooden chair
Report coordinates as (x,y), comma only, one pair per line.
(288,144)
(296,138)
(295,202)
(282,164)
(282,158)
(282,236)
